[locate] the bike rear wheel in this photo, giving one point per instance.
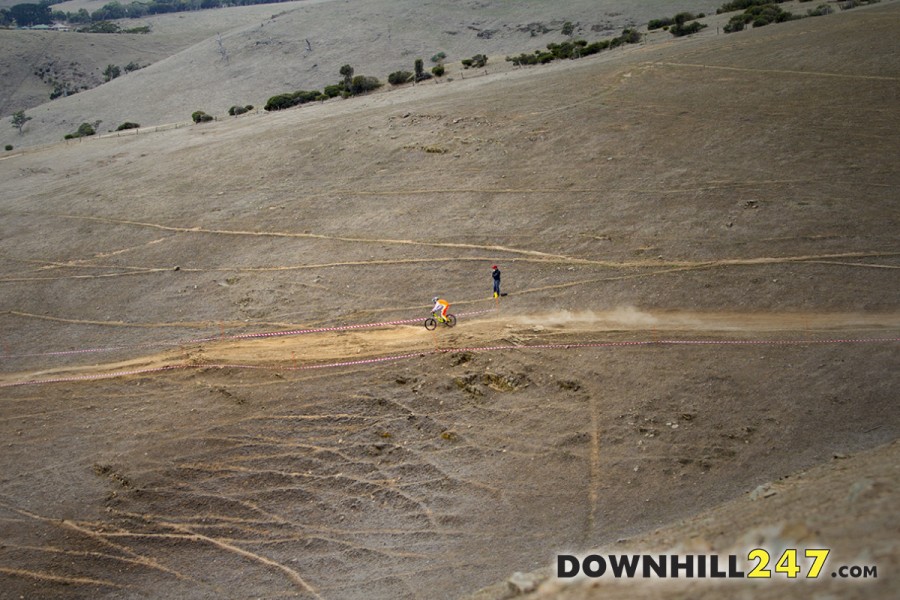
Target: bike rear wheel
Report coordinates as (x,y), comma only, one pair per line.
(451,320)
(430,323)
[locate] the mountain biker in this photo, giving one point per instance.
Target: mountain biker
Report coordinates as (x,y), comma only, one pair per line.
(440,305)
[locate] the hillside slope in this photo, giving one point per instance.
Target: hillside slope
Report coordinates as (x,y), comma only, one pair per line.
(698,242)
(267,53)
(30,60)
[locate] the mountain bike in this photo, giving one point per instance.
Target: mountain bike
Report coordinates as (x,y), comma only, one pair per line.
(432,322)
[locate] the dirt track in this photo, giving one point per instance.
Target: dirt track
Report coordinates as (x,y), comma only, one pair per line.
(287,352)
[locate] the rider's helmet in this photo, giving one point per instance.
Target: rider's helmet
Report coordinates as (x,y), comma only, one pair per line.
(435,299)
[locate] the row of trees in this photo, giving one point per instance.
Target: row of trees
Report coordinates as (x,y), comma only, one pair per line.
(576,49)
(684,23)
(350,85)
(40,13)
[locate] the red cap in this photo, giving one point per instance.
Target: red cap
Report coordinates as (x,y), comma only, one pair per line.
(494,267)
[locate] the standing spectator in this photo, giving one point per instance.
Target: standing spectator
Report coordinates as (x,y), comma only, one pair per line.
(496,275)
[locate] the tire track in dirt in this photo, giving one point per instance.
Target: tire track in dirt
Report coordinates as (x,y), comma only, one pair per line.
(48,577)
(318,236)
(351,345)
(781,71)
(99,537)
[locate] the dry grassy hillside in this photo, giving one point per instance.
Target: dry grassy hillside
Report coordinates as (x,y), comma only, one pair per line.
(264,52)
(81,58)
(698,239)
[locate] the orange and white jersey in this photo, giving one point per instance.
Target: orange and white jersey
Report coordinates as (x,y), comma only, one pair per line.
(441,305)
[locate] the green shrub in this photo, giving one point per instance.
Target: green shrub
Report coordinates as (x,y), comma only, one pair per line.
(595,47)
(476,62)
(744,5)
(84,130)
(820,11)
(568,28)
(682,30)
(101,27)
(400,77)
(420,69)
(768,13)
(127,125)
(572,50)
(332,91)
(111,72)
(283,101)
(735,23)
(659,23)
(9,147)
(236,110)
(279,102)
(437,58)
(629,36)
(438,70)
(200,117)
(363,83)
(303,96)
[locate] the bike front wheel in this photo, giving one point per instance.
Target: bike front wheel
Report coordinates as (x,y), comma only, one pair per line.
(430,323)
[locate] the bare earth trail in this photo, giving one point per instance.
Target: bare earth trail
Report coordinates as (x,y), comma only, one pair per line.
(285,351)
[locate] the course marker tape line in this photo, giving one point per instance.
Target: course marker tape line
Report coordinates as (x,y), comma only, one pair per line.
(241,336)
(423,353)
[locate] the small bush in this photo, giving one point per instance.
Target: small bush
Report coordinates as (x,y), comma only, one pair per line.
(236,110)
(568,28)
(682,30)
(735,23)
(333,91)
(629,36)
(363,83)
(437,58)
(279,102)
(200,117)
(476,62)
(400,77)
(659,23)
(84,130)
(438,70)
(9,147)
(744,5)
(127,125)
(820,11)
(572,50)
(768,13)
(303,96)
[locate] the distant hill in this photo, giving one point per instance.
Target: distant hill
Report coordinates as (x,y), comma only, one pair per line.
(245,55)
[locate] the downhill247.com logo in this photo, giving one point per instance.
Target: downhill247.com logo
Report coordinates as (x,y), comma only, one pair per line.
(791,564)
